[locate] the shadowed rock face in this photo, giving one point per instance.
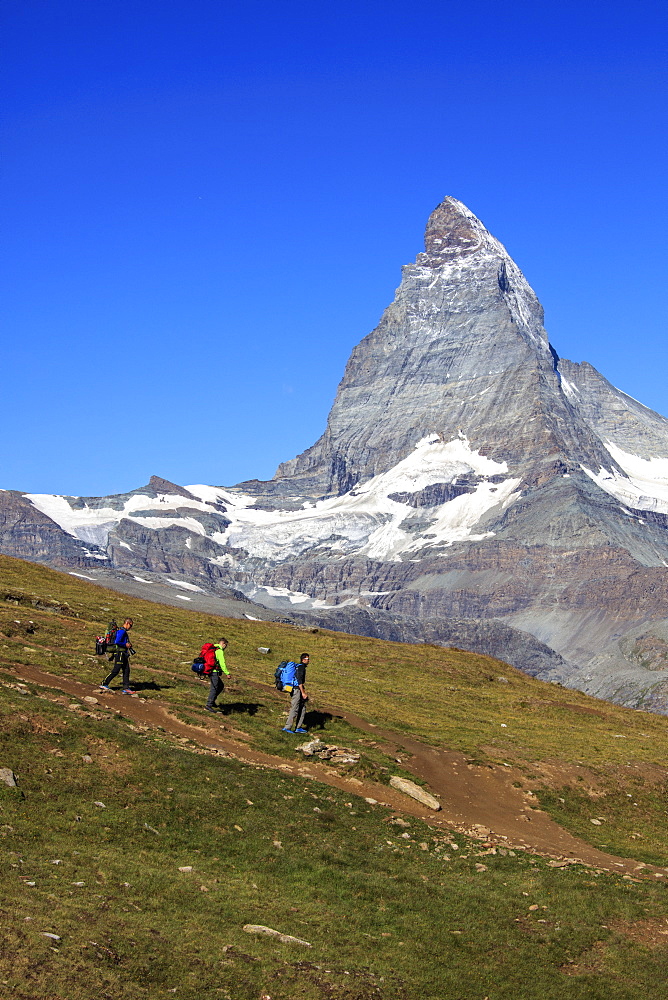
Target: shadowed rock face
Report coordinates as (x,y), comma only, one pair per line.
(27,533)
(466,474)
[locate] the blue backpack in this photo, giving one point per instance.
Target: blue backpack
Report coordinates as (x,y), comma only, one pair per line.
(285,676)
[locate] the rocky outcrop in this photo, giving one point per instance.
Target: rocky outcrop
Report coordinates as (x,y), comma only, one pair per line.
(157,485)
(27,533)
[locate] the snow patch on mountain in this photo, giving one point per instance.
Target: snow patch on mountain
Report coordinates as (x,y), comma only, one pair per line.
(366,521)
(281,598)
(571,391)
(645,486)
(179,521)
(218,495)
(454,522)
(93,524)
(651,471)
(185,585)
(432,461)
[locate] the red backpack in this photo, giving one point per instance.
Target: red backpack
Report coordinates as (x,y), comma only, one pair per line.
(208,654)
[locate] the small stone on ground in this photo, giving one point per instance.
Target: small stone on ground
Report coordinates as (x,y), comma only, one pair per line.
(270,932)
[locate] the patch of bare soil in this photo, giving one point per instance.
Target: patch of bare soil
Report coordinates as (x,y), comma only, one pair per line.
(651,933)
(335,984)
(567,706)
(34,721)
(481,801)
(108,756)
(589,962)
(559,774)
(484,800)
(648,933)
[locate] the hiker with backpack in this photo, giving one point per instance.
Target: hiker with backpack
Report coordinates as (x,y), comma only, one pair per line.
(298,696)
(121,648)
(214,668)
(102,642)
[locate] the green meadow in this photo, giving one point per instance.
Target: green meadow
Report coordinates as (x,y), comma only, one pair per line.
(144,860)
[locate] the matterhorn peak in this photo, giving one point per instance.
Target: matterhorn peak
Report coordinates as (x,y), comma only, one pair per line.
(454,231)
(465,332)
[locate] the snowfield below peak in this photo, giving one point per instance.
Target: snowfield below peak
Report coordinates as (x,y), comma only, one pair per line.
(645,485)
(92,524)
(367,521)
(376,518)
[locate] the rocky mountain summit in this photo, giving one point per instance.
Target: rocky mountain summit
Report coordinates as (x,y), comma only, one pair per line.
(466,474)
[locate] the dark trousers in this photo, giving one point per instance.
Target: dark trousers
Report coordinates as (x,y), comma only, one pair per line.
(216,687)
(121,662)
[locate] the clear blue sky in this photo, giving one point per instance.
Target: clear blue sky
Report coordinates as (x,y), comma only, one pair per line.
(206,204)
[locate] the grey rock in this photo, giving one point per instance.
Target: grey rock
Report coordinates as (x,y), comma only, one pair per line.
(312,747)
(27,533)
(270,932)
(7,777)
(415,792)
(328,751)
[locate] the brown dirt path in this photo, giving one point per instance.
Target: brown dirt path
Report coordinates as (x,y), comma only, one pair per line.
(156,715)
(483,799)
(477,800)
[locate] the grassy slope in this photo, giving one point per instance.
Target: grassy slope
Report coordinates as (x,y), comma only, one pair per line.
(342,886)
(592,754)
(387,917)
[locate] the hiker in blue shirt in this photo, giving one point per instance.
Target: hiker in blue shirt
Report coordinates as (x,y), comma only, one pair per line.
(298,698)
(121,658)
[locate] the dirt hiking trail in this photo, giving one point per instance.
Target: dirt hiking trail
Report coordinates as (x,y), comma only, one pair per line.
(480,801)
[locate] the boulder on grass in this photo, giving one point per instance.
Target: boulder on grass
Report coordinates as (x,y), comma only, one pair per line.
(8,777)
(270,932)
(415,792)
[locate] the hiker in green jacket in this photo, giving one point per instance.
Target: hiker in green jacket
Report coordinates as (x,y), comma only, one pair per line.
(216,686)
